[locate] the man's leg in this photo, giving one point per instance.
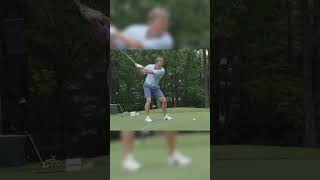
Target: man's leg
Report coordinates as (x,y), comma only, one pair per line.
(147,95)
(175,158)
(147,106)
(129,163)
(147,109)
(164,108)
(171,138)
(164,105)
(127,140)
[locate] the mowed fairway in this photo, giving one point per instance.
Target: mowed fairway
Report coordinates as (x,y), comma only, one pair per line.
(99,171)
(183,120)
(265,163)
(152,154)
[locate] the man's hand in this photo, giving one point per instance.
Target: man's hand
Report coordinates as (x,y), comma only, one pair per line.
(138,65)
(113,30)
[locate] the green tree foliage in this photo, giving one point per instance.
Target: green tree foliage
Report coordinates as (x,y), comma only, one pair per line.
(183,83)
(67,79)
(190,22)
(261,41)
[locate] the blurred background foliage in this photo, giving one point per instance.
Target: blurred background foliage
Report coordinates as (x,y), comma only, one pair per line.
(264,52)
(190,20)
(66,96)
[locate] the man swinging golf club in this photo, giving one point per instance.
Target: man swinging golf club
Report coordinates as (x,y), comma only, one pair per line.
(151,86)
(150,35)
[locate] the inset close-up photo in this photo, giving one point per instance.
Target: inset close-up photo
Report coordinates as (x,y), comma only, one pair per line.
(157,24)
(160,90)
(171,155)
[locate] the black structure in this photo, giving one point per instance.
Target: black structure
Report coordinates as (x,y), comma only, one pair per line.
(14,83)
(12,151)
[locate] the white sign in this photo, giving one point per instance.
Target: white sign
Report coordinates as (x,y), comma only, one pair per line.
(133,113)
(73,165)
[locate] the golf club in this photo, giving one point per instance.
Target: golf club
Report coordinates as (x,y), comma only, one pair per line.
(128,57)
(34,146)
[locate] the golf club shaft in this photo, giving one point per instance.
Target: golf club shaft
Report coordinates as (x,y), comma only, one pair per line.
(128,57)
(35,148)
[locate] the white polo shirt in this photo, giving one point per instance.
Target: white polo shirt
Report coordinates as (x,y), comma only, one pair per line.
(139,31)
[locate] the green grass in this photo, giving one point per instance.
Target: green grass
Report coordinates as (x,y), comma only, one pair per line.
(152,154)
(99,171)
(265,163)
(183,120)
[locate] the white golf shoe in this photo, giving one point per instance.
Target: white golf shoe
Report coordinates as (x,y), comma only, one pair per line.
(130,164)
(167,117)
(148,119)
(179,159)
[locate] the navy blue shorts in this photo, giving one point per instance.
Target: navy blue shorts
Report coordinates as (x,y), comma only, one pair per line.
(152,90)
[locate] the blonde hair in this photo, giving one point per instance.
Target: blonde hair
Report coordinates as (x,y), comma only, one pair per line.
(159,59)
(158,12)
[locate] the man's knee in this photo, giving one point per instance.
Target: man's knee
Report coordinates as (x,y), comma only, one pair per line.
(163,100)
(148,100)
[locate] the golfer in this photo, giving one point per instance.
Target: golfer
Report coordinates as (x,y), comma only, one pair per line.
(151,86)
(174,157)
(152,35)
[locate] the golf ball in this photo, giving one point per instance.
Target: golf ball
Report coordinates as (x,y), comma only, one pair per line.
(194,119)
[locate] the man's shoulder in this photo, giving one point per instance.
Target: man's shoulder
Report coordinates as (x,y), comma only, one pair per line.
(167,37)
(162,69)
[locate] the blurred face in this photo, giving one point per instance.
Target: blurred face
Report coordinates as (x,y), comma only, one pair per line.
(158,26)
(159,64)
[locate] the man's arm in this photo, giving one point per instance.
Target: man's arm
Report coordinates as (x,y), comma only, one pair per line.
(146,70)
(128,41)
(98,21)
(141,71)
(150,71)
(90,14)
